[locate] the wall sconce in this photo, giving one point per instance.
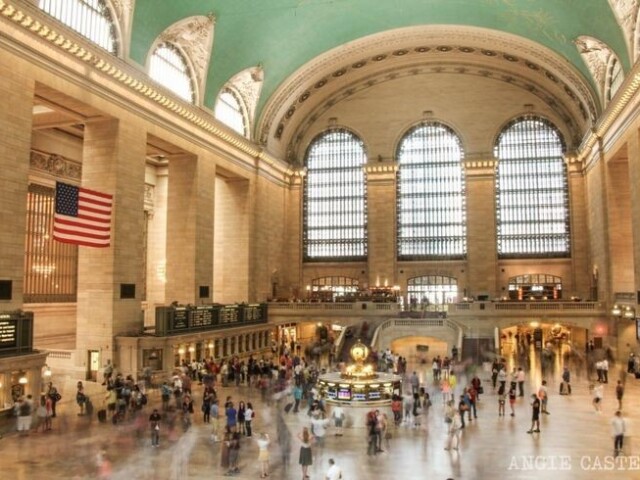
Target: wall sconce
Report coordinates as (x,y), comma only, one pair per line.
(616,311)
(192,349)
(629,312)
(153,355)
(181,351)
(211,345)
(46,372)
(23,380)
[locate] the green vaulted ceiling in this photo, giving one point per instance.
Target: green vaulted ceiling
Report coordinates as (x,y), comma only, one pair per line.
(283,35)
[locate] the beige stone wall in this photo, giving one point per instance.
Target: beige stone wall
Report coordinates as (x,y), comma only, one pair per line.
(16,89)
(231,240)
(620,231)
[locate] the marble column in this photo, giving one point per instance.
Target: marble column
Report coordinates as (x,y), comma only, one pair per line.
(113,162)
(190,227)
(15,144)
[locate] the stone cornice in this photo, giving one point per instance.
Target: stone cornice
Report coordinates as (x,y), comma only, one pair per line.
(31,20)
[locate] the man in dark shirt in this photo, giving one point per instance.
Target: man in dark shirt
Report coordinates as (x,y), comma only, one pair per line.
(535,414)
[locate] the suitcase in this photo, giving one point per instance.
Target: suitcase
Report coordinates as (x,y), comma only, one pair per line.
(102,415)
(637,374)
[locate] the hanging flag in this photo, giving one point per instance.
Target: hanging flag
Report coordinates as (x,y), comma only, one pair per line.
(83,216)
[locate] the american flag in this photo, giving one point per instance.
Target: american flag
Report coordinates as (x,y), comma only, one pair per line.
(82,217)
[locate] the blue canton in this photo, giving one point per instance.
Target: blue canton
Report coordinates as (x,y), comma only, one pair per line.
(67,199)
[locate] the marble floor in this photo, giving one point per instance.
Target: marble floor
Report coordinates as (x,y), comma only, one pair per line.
(575,443)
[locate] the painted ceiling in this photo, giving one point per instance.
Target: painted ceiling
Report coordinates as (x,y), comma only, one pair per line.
(284,35)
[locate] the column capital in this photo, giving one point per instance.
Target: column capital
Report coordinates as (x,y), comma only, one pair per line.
(381,171)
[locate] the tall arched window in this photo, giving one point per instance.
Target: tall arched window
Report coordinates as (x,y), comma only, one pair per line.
(90,18)
(230,112)
(169,68)
(335,211)
(431,194)
(532,190)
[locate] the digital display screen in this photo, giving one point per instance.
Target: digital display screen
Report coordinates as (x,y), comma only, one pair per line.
(374,395)
(344,394)
(359,396)
(331,394)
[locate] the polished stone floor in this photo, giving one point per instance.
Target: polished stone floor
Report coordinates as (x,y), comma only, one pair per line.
(575,444)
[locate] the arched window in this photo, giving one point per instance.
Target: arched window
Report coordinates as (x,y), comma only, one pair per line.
(230,112)
(431,194)
(432,290)
(615,77)
(532,191)
(90,18)
(169,68)
(335,213)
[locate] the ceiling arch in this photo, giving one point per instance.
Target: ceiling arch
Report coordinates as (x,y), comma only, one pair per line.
(427,50)
(284,35)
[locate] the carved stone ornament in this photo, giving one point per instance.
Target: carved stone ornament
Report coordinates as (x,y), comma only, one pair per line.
(123,9)
(248,84)
(626,12)
(194,35)
(56,165)
(149,191)
(596,55)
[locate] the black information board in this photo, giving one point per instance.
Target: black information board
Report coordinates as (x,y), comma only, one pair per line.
(180,319)
(201,317)
(174,320)
(8,333)
(16,333)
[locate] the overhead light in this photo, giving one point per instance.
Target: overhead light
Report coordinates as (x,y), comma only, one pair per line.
(23,380)
(181,351)
(153,355)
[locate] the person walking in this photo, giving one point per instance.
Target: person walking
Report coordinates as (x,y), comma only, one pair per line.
(512,400)
(502,397)
(618,429)
(520,377)
(334,472)
(535,414)
(154,423)
(305,459)
(543,395)
(338,418)
(565,386)
(619,394)
(454,432)
(214,414)
(598,394)
(263,454)
(249,415)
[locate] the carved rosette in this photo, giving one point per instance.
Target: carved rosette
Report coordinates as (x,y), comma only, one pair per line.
(55,165)
(626,12)
(596,55)
(194,36)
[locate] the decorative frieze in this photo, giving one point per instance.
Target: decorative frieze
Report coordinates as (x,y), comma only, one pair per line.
(55,165)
